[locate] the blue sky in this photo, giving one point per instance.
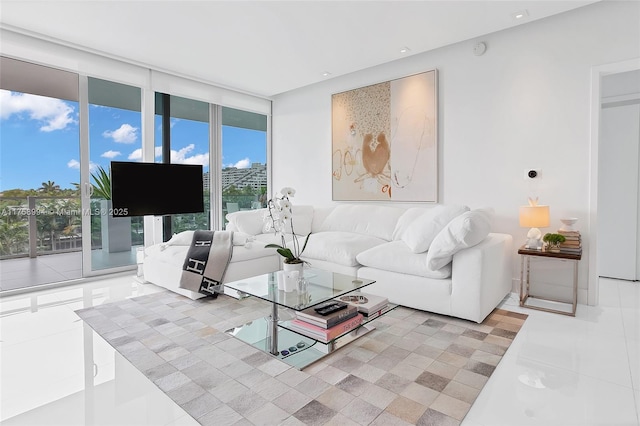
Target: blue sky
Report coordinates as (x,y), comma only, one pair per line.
(39,141)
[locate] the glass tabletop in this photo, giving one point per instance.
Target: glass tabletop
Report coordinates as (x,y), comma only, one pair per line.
(321,286)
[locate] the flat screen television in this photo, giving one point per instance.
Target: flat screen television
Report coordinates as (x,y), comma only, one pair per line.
(139,189)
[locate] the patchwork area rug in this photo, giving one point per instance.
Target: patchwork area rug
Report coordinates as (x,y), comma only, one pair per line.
(415,368)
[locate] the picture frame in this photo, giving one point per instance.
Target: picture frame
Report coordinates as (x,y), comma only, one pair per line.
(384,141)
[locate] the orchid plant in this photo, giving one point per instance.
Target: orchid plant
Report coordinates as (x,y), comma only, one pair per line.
(277,218)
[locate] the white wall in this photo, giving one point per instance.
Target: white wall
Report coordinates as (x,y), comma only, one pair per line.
(523,104)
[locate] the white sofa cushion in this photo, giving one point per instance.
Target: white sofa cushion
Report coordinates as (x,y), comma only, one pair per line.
(252,222)
(175,254)
(377,221)
(396,256)
(464,231)
(247,221)
(419,234)
(339,247)
(185,238)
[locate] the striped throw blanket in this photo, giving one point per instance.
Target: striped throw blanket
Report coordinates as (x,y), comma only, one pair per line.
(207,261)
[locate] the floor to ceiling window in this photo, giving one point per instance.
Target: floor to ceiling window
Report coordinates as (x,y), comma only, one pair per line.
(60,132)
(115,124)
(182,137)
(40,221)
(244,160)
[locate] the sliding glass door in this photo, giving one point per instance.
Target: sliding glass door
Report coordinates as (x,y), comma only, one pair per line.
(244,161)
(40,220)
(182,137)
(114,134)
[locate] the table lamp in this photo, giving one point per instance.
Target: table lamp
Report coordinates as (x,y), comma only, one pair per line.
(534,216)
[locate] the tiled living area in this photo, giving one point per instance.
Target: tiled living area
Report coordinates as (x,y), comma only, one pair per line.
(559,370)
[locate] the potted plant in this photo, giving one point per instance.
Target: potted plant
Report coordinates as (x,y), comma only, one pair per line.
(278,218)
(553,241)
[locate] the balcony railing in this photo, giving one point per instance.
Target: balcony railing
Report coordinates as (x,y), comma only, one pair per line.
(34,225)
(37,225)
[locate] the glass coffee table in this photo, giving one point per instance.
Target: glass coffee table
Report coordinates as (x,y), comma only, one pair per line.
(272,334)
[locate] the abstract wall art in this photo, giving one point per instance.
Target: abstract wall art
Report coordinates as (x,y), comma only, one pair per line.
(384,141)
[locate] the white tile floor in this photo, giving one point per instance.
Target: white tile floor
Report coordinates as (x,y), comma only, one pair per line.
(559,370)
(24,272)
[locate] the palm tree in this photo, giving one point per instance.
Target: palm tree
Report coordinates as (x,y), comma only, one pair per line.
(49,187)
(102,187)
(14,235)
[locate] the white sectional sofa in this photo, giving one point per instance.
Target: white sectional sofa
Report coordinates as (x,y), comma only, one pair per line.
(441,259)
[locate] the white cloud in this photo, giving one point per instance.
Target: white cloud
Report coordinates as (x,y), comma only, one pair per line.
(245,163)
(124,134)
(111,154)
(182,156)
(136,155)
(55,114)
(177,157)
(75,164)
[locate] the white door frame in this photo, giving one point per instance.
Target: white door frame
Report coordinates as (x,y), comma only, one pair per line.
(597,73)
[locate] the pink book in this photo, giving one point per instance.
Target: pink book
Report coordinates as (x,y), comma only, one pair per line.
(326,334)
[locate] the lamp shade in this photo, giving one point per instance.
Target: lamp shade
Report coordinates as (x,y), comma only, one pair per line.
(534,216)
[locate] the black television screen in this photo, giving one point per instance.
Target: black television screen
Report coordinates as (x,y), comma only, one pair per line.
(139,189)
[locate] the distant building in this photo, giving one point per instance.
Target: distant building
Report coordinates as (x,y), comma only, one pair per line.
(206,181)
(254,176)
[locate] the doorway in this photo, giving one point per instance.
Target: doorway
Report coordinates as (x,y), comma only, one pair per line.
(619,183)
(599,74)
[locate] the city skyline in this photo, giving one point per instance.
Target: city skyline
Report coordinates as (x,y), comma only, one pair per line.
(31,123)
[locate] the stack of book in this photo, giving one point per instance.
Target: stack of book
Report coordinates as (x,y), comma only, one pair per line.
(573,241)
(312,323)
(368,305)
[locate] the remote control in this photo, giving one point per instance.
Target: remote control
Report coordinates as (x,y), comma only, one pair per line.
(331,309)
(328,305)
(325,305)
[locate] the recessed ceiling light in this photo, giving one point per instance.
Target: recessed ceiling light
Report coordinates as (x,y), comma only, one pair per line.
(405,50)
(521,14)
(326,74)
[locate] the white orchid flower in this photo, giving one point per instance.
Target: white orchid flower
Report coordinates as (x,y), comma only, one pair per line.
(288,191)
(285,205)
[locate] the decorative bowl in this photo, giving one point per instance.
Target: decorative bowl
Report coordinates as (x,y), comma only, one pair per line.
(568,223)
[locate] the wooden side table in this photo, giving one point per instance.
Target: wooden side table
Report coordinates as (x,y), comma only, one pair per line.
(525,267)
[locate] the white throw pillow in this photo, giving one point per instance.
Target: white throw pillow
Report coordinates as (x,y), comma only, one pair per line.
(406,220)
(247,221)
(421,232)
(182,239)
(397,257)
(463,232)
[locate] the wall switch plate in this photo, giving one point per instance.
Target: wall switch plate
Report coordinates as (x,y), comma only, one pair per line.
(532,174)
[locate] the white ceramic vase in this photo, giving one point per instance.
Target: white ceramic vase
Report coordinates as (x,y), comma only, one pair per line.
(288,267)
